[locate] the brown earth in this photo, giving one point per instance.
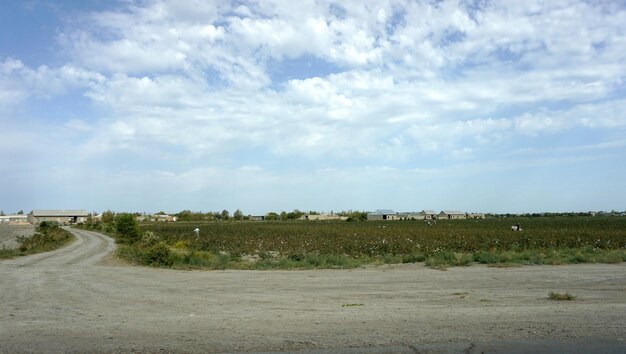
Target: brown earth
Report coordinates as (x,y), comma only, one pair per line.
(77,300)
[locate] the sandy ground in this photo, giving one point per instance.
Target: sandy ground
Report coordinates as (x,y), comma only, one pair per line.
(77,300)
(9,234)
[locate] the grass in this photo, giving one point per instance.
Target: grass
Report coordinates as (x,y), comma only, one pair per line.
(561,296)
(162,255)
(443,260)
(6,253)
(352,305)
(550,256)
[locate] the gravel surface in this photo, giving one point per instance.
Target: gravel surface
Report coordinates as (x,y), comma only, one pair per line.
(77,299)
(10,233)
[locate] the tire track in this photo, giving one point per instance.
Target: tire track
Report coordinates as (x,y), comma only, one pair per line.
(88,248)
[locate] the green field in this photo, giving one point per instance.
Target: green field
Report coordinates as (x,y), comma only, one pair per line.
(302,244)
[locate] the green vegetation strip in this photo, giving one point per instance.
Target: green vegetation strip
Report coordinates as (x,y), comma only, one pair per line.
(48,236)
(307,245)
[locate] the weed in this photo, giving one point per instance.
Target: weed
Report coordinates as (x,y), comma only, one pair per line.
(414,257)
(446,259)
(561,297)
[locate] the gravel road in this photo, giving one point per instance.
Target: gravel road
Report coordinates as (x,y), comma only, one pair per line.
(77,299)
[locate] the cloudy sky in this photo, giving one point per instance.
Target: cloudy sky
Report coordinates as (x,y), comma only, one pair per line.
(492,106)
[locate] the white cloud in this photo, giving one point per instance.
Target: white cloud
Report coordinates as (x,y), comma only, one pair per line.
(19,82)
(191,84)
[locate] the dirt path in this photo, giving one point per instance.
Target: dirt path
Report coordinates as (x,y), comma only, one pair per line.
(71,300)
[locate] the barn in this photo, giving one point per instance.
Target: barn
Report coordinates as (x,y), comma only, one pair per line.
(451,215)
(383,214)
(428,214)
(63,217)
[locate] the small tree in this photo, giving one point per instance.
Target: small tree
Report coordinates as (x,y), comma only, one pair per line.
(21,212)
(127,228)
(225,215)
(238,215)
(271,216)
(108,217)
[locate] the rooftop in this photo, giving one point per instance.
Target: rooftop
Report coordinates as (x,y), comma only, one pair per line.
(69,212)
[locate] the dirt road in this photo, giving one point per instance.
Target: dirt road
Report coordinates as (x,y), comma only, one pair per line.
(75,300)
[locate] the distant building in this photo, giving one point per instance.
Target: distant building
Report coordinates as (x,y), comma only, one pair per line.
(323,217)
(13,219)
(409,215)
(428,214)
(383,214)
(63,217)
(257,217)
(475,216)
(451,215)
(165,218)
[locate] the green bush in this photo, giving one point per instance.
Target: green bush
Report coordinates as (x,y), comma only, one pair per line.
(127,228)
(158,255)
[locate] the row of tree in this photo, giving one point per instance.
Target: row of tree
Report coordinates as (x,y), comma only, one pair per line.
(188,215)
(21,212)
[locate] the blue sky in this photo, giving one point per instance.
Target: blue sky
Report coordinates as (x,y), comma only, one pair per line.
(481,106)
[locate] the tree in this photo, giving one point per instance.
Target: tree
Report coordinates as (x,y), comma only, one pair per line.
(238,215)
(225,215)
(294,215)
(1,212)
(127,228)
(271,216)
(21,212)
(188,215)
(108,217)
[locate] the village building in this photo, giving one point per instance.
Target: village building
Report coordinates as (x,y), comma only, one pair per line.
(257,217)
(165,218)
(451,215)
(383,214)
(14,219)
(428,214)
(323,217)
(63,217)
(409,215)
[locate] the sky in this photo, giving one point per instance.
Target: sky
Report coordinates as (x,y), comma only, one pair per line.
(149,105)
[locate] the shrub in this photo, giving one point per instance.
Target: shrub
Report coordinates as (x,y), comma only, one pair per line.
(158,255)
(149,238)
(127,228)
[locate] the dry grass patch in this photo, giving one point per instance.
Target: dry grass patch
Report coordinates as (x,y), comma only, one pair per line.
(561,296)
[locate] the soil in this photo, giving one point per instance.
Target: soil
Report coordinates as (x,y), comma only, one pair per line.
(78,299)
(10,232)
